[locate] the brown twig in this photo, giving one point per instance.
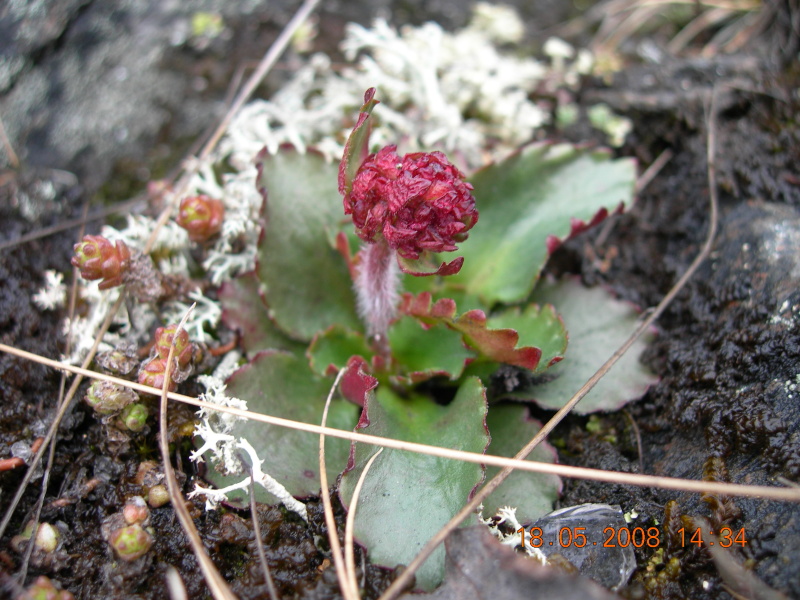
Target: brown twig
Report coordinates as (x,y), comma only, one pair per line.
(262,556)
(405,577)
(641,183)
(13,159)
(272,55)
(330,521)
(667,483)
(83,220)
(218,586)
(349,548)
(636,435)
(62,410)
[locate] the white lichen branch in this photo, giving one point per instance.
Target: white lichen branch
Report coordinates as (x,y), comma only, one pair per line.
(214,497)
(508,516)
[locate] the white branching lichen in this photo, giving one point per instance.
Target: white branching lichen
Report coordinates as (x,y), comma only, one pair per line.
(508,516)
(54,292)
(138,230)
(214,497)
(205,314)
(214,428)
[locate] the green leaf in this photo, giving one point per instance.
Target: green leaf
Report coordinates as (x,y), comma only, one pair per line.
(533,494)
(529,204)
(502,344)
(335,346)
(423,353)
(598,324)
(538,326)
(426,266)
(243,310)
(308,287)
(408,497)
(281,385)
(357,146)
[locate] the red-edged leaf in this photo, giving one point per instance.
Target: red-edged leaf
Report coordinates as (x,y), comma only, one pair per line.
(495,344)
(531,202)
(356,383)
(578,226)
(357,147)
(423,267)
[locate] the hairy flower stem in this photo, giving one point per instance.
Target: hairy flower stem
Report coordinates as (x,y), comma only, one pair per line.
(377,290)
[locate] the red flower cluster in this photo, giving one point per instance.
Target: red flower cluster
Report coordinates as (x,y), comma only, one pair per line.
(98,258)
(418,202)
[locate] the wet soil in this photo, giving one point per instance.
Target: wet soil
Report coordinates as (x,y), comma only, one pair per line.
(727,352)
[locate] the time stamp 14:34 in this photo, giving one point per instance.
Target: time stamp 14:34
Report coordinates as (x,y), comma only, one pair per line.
(637,537)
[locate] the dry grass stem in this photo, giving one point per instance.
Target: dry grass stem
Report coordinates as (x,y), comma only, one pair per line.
(218,586)
(330,521)
(405,577)
(62,410)
(13,159)
(73,297)
(349,548)
(262,556)
(96,216)
(671,483)
(272,55)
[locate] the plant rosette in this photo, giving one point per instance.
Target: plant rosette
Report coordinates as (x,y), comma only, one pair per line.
(419,335)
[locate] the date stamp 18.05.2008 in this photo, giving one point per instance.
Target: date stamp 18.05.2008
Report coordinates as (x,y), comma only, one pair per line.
(638,537)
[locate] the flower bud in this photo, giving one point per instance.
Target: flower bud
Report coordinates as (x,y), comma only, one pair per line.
(122,360)
(417,203)
(47,537)
(201,216)
(43,589)
(107,398)
(158,495)
(183,347)
(131,542)
(135,511)
(97,258)
(152,374)
(134,416)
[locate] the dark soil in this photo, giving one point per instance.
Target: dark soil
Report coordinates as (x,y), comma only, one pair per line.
(727,351)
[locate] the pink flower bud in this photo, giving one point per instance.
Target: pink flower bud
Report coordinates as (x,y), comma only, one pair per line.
(152,374)
(97,258)
(183,347)
(419,202)
(201,216)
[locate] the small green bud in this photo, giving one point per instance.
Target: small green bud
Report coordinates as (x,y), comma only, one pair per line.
(46,537)
(131,542)
(158,495)
(107,398)
(43,589)
(134,416)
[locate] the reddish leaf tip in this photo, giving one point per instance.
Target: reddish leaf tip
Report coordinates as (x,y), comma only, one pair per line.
(356,383)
